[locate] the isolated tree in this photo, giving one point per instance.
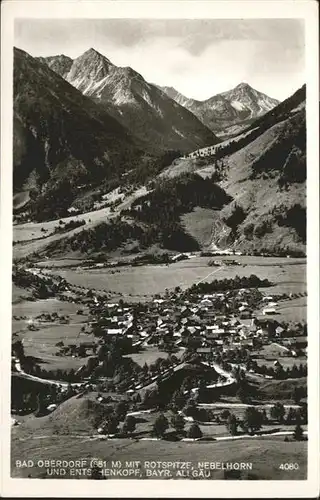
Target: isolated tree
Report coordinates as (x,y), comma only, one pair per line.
(303,413)
(194,432)
(129,425)
(242,395)
(277,412)
(121,409)
(40,408)
(297,394)
(18,350)
(96,472)
(279,372)
(232,424)
(298,432)
(225,414)
(178,422)
(111,425)
(178,399)
(102,352)
(136,398)
(160,425)
(28,402)
(232,474)
(202,389)
(190,409)
(187,384)
(252,420)
(291,416)
(265,419)
(145,369)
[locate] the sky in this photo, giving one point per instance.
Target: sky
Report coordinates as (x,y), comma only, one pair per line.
(199,58)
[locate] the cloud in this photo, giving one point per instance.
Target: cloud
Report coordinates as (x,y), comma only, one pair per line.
(198,57)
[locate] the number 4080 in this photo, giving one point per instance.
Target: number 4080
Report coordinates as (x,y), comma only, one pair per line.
(289,466)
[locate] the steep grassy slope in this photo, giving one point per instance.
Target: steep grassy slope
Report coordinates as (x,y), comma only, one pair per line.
(142,220)
(264,171)
(77,414)
(267,182)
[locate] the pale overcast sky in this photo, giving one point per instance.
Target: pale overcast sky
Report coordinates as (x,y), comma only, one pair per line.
(200,58)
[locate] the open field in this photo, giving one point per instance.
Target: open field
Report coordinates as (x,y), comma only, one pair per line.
(272,350)
(40,343)
(51,334)
(31,309)
(49,263)
(200,223)
(150,355)
(144,281)
(265,454)
(19,294)
(286,362)
(280,390)
(293,310)
(270,353)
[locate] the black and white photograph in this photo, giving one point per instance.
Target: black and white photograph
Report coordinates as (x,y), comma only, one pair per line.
(160,297)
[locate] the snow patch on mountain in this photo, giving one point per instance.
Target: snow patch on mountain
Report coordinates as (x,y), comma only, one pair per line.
(177,131)
(223,111)
(237,105)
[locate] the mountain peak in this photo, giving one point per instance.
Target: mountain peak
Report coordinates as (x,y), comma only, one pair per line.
(243,86)
(61,63)
(94,55)
(88,70)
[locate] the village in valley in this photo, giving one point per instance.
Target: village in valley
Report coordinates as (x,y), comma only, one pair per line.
(190,361)
(159,288)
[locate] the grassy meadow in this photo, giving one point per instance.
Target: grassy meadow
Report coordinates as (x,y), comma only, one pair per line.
(289,275)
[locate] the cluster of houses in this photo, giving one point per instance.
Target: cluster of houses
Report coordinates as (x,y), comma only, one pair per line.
(203,322)
(269,306)
(118,321)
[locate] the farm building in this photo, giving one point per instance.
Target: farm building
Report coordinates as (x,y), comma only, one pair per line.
(269,310)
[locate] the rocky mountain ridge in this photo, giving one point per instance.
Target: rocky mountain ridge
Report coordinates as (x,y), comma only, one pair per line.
(138,105)
(238,106)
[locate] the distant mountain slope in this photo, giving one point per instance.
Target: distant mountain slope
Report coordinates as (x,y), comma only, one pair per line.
(285,109)
(59,134)
(140,106)
(179,98)
(264,171)
(240,105)
(249,103)
(60,64)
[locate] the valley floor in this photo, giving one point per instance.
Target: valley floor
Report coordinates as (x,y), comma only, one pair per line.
(265,452)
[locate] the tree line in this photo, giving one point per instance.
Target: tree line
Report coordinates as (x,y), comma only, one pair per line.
(236,283)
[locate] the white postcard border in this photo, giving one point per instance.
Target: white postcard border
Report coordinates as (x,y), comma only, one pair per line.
(181,9)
